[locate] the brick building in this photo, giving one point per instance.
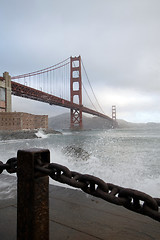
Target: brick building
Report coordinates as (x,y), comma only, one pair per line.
(16,120)
(22,121)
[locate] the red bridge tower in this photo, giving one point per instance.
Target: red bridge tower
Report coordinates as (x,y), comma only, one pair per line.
(114,118)
(76,90)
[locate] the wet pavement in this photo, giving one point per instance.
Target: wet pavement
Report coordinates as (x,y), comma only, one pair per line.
(76,215)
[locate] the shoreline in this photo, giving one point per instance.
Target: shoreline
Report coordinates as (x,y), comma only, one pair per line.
(24,134)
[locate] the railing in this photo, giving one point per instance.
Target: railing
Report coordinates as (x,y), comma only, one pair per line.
(33,169)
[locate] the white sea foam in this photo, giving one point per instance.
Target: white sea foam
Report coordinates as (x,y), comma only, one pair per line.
(7,188)
(126,158)
(123,174)
(41,134)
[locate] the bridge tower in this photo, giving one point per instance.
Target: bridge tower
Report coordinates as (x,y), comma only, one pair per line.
(5,93)
(76,91)
(114,118)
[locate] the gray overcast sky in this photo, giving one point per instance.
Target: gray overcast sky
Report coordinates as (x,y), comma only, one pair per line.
(119,41)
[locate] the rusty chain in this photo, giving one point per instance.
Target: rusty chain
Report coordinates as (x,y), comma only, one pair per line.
(10,166)
(131,199)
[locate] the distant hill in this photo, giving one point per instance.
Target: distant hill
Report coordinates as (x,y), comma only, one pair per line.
(125,124)
(63,122)
(59,122)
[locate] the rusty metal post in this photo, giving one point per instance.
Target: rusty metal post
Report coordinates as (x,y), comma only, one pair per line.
(32,195)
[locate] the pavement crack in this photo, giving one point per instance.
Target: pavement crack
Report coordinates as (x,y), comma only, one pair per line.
(77,230)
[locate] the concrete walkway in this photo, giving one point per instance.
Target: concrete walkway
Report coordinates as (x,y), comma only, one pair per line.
(75,215)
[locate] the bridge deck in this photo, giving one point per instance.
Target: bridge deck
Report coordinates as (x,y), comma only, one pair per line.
(31,93)
(74,215)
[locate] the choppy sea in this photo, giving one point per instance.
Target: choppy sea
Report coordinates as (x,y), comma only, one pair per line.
(125,157)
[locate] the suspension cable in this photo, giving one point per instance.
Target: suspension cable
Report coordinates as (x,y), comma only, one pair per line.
(91,87)
(87,93)
(53,67)
(89,97)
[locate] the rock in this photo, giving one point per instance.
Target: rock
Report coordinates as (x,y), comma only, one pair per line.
(23,134)
(76,152)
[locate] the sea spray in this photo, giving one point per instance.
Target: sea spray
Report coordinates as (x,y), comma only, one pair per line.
(125,157)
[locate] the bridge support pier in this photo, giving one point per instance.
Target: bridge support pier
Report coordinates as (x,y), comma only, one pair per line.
(76,92)
(5,93)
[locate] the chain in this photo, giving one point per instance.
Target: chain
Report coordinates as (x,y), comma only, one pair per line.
(10,166)
(129,198)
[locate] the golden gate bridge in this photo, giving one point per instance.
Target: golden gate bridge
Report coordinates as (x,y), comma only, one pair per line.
(60,84)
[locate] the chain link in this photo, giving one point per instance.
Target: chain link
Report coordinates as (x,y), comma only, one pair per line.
(129,198)
(10,166)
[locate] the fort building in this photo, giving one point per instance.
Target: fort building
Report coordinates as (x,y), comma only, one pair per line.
(16,120)
(22,121)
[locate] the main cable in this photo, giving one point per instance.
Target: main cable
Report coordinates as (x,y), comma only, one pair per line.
(91,86)
(89,97)
(53,67)
(87,93)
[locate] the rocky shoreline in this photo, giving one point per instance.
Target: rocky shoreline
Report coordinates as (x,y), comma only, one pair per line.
(25,134)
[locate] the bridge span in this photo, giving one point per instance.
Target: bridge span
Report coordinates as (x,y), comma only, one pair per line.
(44,79)
(21,90)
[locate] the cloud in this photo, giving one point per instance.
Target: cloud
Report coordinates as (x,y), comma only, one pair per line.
(118,42)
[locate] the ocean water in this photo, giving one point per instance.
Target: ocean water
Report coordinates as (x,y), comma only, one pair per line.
(125,157)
